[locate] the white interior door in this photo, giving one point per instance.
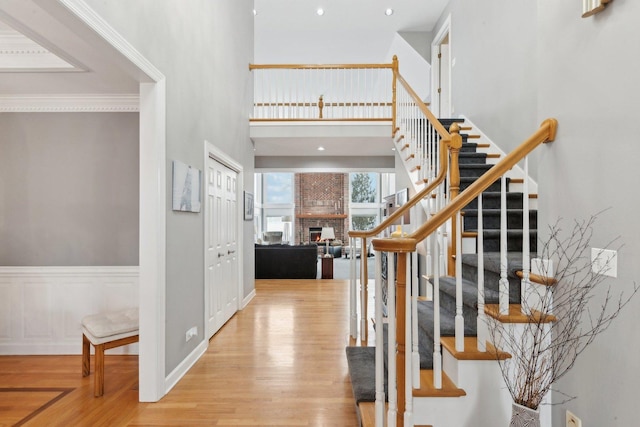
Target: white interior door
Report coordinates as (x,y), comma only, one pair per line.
(444,91)
(221,277)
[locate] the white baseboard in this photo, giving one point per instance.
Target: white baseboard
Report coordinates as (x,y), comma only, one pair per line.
(41,307)
(248,299)
(172,379)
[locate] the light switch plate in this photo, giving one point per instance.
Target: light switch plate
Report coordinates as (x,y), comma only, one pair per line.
(604,261)
(572,420)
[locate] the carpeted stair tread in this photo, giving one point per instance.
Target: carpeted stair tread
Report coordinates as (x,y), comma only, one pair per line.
(492,200)
(492,218)
(474,170)
(466,181)
(469,292)
(362,370)
(425,348)
(447,321)
(492,262)
(472,158)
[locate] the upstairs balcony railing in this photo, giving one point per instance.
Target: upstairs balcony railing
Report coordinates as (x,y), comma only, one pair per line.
(290,92)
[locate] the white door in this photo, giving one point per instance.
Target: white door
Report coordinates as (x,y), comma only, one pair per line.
(444,91)
(221,240)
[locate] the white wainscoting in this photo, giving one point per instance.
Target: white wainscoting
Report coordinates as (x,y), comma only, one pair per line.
(41,307)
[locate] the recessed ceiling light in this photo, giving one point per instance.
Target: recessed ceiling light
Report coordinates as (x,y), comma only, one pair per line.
(393,149)
(320,11)
(388,12)
(255,12)
(321,148)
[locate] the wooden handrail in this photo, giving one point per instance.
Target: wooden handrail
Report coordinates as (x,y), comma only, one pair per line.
(444,142)
(546,133)
(317,66)
(412,201)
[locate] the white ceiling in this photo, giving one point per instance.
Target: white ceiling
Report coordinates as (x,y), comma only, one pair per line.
(41,55)
(347,15)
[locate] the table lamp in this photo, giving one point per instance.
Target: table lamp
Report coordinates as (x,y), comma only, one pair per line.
(326,235)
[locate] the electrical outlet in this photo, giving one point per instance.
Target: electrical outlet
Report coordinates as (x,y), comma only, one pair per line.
(572,420)
(604,261)
(191,333)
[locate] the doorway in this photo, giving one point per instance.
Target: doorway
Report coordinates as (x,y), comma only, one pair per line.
(222,224)
(441,64)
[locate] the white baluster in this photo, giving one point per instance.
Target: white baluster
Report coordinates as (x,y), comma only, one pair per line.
(391,336)
(437,355)
(459,316)
(364,329)
(504,282)
(353,306)
(526,262)
(482,320)
(380,395)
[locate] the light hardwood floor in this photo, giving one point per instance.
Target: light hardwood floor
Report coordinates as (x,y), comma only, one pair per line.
(279,362)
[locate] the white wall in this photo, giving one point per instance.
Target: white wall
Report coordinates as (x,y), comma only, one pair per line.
(493,45)
(204,51)
(588,80)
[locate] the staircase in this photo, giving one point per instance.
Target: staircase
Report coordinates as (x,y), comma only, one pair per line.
(432,403)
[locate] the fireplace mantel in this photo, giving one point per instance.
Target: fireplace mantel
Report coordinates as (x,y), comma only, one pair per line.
(321,216)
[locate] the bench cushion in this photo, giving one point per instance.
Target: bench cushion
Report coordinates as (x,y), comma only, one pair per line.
(111,325)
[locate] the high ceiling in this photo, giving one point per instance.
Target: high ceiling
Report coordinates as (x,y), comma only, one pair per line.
(347,15)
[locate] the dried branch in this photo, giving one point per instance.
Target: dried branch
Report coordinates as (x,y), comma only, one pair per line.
(542,352)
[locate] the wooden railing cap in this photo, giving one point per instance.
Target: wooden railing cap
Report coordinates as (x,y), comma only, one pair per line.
(395,244)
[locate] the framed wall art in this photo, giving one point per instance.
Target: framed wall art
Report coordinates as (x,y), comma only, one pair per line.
(248,206)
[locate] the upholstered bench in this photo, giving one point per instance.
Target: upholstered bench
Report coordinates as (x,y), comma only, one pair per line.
(105,331)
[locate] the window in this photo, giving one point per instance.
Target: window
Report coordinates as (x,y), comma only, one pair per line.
(364,208)
(278,188)
(364,187)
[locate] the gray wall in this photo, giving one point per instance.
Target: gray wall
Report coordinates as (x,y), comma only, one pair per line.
(519,62)
(325,162)
(204,50)
(588,80)
(69,189)
(493,80)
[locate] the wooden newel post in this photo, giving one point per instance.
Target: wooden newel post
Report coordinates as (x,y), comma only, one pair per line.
(320,105)
(401,290)
(454,190)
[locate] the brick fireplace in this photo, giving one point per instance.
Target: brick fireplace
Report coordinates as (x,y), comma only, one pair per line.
(322,200)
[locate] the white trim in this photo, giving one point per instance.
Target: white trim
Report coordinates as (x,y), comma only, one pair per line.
(61,103)
(41,307)
(184,366)
(248,299)
(211,151)
(152,203)
(444,30)
(515,172)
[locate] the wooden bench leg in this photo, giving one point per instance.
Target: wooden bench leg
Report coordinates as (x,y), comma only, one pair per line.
(86,356)
(98,386)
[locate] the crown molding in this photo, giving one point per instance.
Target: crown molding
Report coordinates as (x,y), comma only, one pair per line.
(20,53)
(93,103)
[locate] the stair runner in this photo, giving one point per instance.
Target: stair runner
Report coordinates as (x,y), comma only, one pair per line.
(473,164)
